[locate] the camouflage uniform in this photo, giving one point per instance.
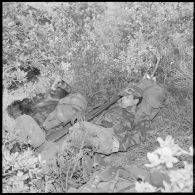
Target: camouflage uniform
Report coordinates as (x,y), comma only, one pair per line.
(132,126)
(122,122)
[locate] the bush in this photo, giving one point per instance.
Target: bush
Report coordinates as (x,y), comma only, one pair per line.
(97,48)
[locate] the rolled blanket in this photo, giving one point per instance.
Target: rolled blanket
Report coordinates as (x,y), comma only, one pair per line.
(75,101)
(29,131)
(68,109)
(102,140)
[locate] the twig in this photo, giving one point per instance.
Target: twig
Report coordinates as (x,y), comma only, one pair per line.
(114,182)
(67,178)
(158,61)
(61,183)
(78,156)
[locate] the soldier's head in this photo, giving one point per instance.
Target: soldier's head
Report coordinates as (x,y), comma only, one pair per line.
(14,109)
(59,89)
(130,100)
(58,93)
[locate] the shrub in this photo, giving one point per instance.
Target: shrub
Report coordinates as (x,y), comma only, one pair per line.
(97,48)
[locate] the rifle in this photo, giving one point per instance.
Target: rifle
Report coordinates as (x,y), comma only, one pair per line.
(56,136)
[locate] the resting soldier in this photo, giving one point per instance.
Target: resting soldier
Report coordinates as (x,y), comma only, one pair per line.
(123,124)
(131,116)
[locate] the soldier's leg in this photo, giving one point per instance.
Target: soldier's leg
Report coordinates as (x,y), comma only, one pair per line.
(130,140)
(133,137)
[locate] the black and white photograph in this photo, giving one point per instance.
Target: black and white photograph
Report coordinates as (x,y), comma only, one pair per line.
(97,97)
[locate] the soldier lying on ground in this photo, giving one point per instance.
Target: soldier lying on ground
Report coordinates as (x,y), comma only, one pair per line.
(40,106)
(129,118)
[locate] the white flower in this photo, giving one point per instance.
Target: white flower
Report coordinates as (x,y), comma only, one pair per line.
(164,151)
(153,158)
(166,156)
(169,141)
(181,180)
(160,156)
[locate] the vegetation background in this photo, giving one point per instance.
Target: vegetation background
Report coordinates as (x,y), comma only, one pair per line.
(99,47)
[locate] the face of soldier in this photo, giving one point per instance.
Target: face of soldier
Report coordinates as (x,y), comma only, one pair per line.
(128,101)
(58,93)
(147,76)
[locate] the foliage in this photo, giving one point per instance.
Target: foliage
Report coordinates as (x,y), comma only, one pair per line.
(20,171)
(166,153)
(97,48)
(91,42)
(181,180)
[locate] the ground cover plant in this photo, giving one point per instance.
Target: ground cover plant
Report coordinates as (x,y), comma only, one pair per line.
(97,48)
